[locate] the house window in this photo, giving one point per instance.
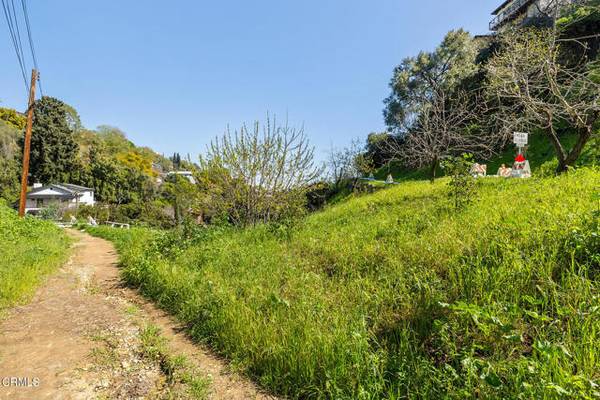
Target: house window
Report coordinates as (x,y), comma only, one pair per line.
(39,203)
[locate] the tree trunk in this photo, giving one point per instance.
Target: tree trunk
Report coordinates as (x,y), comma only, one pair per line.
(584,136)
(434,164)
(559,150)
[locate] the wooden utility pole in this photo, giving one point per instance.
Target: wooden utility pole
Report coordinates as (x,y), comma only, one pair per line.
(27,146)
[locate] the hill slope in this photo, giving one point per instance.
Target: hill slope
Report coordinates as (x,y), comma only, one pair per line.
(396,294)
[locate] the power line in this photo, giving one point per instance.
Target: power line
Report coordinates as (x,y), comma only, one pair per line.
(12,21)
(18,50)
(8,14)
(31,46)
(17,30)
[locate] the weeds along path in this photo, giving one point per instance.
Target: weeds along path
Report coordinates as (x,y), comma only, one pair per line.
(86,336)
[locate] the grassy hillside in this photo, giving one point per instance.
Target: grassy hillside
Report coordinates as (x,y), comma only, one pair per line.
(29,250)
(396,294)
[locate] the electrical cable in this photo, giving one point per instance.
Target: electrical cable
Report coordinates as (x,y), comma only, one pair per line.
(8,14)
(31,46)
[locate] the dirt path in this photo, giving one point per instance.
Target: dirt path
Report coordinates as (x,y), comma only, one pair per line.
(82,338)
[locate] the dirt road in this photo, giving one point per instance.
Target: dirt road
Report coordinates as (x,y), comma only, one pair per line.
(80,338)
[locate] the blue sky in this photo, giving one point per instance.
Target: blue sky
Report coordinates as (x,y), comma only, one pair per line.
(172,75)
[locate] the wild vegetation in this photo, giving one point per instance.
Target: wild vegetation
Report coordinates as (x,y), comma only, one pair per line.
(397,294)
(123,175)
(180,373)
(454,288)
(29,250)
(470,94)
(257,174)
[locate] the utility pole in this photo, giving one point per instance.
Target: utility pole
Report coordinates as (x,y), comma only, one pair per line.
(27,146)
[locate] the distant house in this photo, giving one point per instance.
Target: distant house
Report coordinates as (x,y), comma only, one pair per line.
(520,12)
(64,195)
(186,174)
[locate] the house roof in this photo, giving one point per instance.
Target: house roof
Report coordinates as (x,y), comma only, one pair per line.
(76,188)
(61,191)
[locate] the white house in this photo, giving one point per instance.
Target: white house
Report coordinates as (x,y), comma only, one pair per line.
(185,174)
(65,195)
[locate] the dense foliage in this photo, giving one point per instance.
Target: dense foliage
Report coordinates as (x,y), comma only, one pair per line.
(9,167)
(53,145)
(29,250)
(12,118)
(470,94)
(397,294)
(123,175)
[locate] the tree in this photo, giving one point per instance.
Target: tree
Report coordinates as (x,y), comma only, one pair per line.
(176,159)
(9,168)
(12,118)
(259,174)
(540,90)
(462,184)
(114,140)
(418,79)
(431,114)
(378,148)
(53,147)
(181,194)
(349,163)
(73,119)
(448,125)
(136,161)
(9,136)
(105,177)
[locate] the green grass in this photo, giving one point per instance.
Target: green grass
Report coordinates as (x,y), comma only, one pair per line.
(396,294)
(176,368)
(29,250)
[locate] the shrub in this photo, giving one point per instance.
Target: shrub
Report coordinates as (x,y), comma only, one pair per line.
(462,184)
(29,249)
(257,174)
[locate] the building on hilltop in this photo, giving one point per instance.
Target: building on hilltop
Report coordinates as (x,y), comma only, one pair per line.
(185,174)
(64,195)
(522,12)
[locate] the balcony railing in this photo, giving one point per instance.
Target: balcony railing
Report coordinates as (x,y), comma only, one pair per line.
(509,12)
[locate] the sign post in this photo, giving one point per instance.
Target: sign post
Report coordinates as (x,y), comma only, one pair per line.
(521,139)
(521,167)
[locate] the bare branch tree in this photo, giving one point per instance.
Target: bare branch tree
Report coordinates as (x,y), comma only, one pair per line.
(348,163)
(539,91)
(448,125)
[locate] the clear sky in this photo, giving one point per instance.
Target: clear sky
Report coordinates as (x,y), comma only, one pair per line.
(172,75)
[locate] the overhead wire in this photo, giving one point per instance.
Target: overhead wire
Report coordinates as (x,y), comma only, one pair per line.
(13,28)
(31,46)
(17,30)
